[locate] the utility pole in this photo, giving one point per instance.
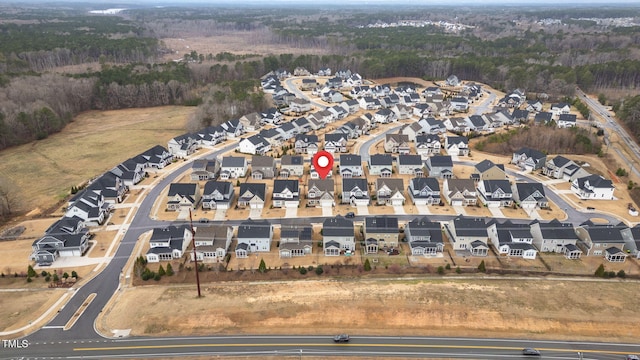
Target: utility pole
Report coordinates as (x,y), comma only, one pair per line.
(195,253)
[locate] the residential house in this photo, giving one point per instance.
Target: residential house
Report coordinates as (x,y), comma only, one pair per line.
(332,96)
(632,240)
(291,165)
(384,116)
(460,104)
(412,130)
(350,166)
(308,84)
(604,240)
(380,232)
(263,167)
(495,193)
(334,83)
(110,186)
(251,122)
(66,237)
(183,196)
(273,136)
(433,126)
(295,241)
(338,236)
(306,144)
(422,110)
(567,120)
(212,243)
(520,116)
(530,196)
(271,116)
(440,166)
(427,145)
(254,145)
(456,145)
(533,106)
(402,112)
(90,207)
(542,118)
(168,243)
(562,168)
(288,130)
(390,192)
(233,128)
(157,157)
(324,71)
(468,233)
(352,106)
(354,80)
(430,91)
(529,159)
(233,167)
(458,124)
(182,146)
(355,192)
(254,236)
(369,103)
(300,106)
(452,80)
(205,169)
(252,195)
(512,239)
(424,191)
(555,236)
(302,125)
(410,165)
(560,108)
(217,195)
(483,122)
(130,172)
(594,187)
(460,192)
(286,193)
(336,142)
(321,192)
(424,237)
(487,170)
(381,164)
(397,144)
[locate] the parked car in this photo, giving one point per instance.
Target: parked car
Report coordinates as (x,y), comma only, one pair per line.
(204,220)
(632,357)
(393,252)
(341,338)
(350,215)
(530,351)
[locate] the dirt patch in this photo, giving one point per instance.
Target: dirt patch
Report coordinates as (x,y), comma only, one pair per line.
(19,308)
(561,309)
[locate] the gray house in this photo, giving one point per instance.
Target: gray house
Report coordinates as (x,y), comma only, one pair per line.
(67,237)
(263,167)
(355,192)
(603,240)
(286,193)
(252,195)
(380,232)
(183,196)
(381,164)
(468,233)
(337,236)
(217,195)
(212,243)
(410,165)
(254,236)
(529,159)
(424,237)
(204,169)
(390,192)
(295,241)
(321,192)
(555,236)
(350,166)
(440,166)
(424,191)
(291,165)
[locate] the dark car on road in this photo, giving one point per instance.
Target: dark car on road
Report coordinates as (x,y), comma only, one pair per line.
(530,351)
(350,215)
(341,338)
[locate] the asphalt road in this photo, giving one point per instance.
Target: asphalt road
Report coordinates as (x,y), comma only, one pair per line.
(299,94)
(366,346)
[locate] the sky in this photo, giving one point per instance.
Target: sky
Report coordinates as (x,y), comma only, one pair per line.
(359,2)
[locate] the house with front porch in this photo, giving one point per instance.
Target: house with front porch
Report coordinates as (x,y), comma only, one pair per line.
(251,122)
(593,187)
(217,195)
(183,196)
(456,145)
(286,194)
(182,146)
(355,192)
(440,166)
(603,240)
(338,236)
(560,108)
(350,166)
(412,130)
(555,236)
(253,236)
(204,169)
(390,191)
(291,166)
(468,233)
(495,193)
(254,145)
(460,192)
(424,237)
(252,195)
(384,232)
(130,172)
(381,164)
(321,192)
(433,126)
(424,191)
(530,196)
(336,142)
(306,144)
(168,243)
(263,167)
(212,243)
(487,170)
(233,167)
(300,106)
(410,165)
(427,145)
(110,186)
(529,159)
(66,237)
(512,239)
(562,168)
(295,241)
(397,144)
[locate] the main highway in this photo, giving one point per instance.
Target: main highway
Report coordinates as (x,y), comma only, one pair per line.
(82,340)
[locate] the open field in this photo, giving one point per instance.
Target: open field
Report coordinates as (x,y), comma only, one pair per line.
(94,142)
(19,308)
(560,309)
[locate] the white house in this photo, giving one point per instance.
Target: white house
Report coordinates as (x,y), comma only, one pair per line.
(593,187)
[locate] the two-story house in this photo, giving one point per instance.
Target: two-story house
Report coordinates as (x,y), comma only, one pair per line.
(512,239)
(263,167)
(254,145)
(593,187)
(252,196)
(397,144)
(424,191)
(217,195)
(410,165)
(529,159)
(286,193)
(212,243)
(306,144)
(460,192)
(205,169)
(338,236)
(427,145)
(424,237)
(254,236)
(291,165)
(555,236)
(355,192)
(350,166)
(468,233)
(233,167)
(562,168)
(456,145)
(604,240)
(336,142)
(168,243)
(381,164)
(380,232)
(183,196)
(440,166)
(487,170)
(530,196)
(295,241)
(321,193)
(495,193)
(390,191)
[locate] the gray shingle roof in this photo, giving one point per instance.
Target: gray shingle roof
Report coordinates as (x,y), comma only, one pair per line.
(380,160)
(350,160)
(254,229)
(337,226)
(233,161)
(381,224)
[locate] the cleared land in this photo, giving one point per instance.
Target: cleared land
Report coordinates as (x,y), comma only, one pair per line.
(94,142)
(531,308)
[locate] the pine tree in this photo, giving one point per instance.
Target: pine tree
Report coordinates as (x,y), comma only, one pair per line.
(262,267)
(30,272)
(600,271)
(482,267)
(169,270)
(161,271)
(367,265)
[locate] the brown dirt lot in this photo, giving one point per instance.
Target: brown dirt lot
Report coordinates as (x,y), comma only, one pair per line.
(90,145)
(503,308)
(19,308)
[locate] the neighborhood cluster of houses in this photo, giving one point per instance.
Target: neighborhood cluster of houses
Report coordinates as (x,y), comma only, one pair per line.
(91,206)
(468,235)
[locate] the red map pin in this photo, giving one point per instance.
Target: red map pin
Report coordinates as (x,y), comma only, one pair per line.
(323,163)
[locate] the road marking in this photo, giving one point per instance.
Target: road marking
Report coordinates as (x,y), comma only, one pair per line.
(53,327)
(79,312)
(424,346)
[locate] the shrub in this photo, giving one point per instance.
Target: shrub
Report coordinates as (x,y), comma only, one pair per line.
(612,274)
(29,279)
(31,272)
(482,267)
(458,270)
(157,277)
(448,266)
(55,277)
(74,274)
(302,270)
(319,270)
(161,271)
(170,270)
(43,273)
(600,271)
(367,265)
(65,275)
(262,267)
(621,274)
(47,278)
(441,270)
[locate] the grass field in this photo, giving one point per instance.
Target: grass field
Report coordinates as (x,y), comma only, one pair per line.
(94,142)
